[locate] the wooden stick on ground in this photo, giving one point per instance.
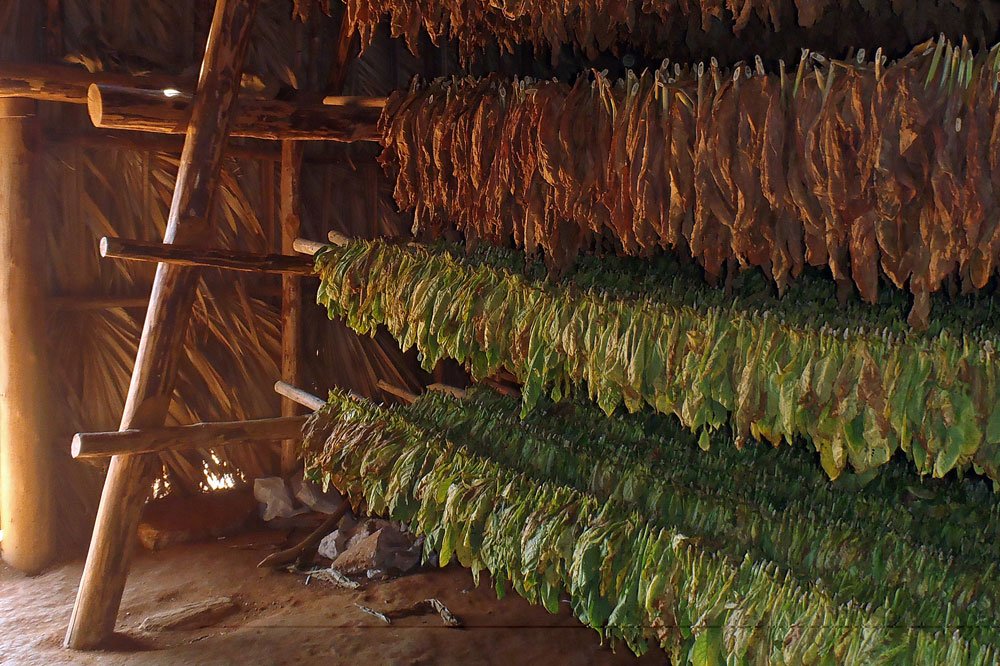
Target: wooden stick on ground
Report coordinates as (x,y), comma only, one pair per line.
(183,438)
(152,385)
(168,253)
(290,555)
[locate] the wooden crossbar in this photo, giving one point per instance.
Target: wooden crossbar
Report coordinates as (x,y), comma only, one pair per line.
(185,438)
(150,391)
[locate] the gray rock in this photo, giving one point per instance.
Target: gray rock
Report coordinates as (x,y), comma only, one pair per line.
(335,543)
(272,493)
(312,495)
(386,549)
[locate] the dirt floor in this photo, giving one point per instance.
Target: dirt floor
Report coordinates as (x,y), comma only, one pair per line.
(282,620)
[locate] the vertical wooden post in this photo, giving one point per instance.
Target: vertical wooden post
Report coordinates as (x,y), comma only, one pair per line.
(150,391)
(27,498)
(291,222)
(346,49)
(26,463)
(291,288)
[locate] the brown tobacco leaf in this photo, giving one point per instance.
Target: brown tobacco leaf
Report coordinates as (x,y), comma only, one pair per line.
(858,168)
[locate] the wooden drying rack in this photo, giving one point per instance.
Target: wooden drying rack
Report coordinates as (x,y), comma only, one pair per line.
(142,111)
(135,110)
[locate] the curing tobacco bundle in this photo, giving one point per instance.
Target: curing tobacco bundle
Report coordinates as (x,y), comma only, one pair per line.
(593,26)
(864,169)
(852,382)
(643,544)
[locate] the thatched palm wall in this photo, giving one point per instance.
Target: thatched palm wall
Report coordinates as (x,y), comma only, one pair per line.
(231,358)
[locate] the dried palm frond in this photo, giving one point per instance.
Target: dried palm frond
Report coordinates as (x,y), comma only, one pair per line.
(657,27)
(170,36)
(232,348)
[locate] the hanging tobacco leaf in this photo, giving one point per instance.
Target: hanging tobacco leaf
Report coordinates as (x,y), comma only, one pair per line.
(749,555)
(853,382)
(880,174)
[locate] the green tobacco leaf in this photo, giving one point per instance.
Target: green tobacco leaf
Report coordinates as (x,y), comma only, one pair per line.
(649,547)
(707,649)
(641,334)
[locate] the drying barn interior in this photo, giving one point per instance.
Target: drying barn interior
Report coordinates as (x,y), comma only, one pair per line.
(460,331)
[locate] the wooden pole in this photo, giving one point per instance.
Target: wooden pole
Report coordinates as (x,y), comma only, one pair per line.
(347,47)
(307,400)
(306,246)
(337,238)
(92,137)
(87,302)
(115,107)
(288,556)
(183,438)
(27,509)
(402,394)
(69,84)
(447,389)
(167,253)
(152,385)
(291,288)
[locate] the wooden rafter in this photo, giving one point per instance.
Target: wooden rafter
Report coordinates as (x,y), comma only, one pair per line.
(68,84)
(307,400)
(354,119)
(179,255)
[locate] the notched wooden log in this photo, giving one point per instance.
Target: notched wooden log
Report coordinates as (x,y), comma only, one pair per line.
(117,107)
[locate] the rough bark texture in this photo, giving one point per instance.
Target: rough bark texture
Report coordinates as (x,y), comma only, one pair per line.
(195,436)
(152,385)
(166,253)
(26,466)
(63,83)
(114,107)
(291,288)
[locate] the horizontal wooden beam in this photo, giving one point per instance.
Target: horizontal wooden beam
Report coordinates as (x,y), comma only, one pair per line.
(338,238)
(181,438)
(69,84)
(447,389)
(115,107)
(296,394)
(306,246)
(180,255)
(401,393)
(350,100)
(88,302)
(93,137)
